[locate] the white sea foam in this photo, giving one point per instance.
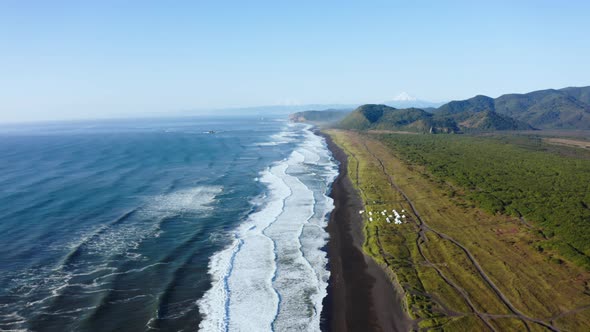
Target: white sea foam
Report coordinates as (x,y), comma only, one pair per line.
(39,285)
(273,276)
(125,236)
(197,199)
(289,135)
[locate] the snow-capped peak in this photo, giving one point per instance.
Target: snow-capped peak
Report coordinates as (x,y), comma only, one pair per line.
(404,96)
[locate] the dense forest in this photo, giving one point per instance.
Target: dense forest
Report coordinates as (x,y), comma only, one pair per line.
(515,175)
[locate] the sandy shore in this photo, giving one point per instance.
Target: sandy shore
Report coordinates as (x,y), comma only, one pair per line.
(361,296)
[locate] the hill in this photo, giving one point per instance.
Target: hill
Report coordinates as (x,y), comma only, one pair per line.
(325,116)
(567,108)
(488,121)
(476,104)
(582,94)
(382,117)
(372,116)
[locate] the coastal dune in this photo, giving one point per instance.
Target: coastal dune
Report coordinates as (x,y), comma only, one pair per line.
(361,296)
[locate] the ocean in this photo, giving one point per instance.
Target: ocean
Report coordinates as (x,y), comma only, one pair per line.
(212,224)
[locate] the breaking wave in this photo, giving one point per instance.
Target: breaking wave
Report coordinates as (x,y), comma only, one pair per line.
(274,274)
(85,265)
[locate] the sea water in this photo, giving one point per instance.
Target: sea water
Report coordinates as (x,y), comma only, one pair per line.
(170,224)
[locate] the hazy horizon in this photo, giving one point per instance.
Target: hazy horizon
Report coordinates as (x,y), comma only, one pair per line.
(69,60)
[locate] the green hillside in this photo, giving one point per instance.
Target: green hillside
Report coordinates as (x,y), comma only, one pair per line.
(382,117)
(581,94)
(476,104)
(489,120)
(568,108)
(331,115)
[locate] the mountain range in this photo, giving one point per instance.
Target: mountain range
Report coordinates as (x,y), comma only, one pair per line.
(567,108)
(405,100)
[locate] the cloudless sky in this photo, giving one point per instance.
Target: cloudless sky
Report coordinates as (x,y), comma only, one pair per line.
(84,59)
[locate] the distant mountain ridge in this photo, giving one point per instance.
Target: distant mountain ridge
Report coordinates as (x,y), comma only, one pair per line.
(325,116)
(567,108)
(452,120)
(404,100)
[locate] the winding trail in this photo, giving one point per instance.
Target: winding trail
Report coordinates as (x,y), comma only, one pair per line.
(424,227)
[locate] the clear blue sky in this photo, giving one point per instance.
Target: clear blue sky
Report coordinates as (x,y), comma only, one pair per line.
(84,59)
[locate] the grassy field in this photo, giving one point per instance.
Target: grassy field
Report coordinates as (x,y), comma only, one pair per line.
(515,175)
(461,267)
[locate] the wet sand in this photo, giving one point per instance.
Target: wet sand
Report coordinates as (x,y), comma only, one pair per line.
(361,297)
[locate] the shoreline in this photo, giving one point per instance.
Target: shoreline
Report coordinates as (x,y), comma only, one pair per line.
(361,296)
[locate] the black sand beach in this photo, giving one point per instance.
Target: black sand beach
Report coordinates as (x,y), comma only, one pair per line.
(361,296)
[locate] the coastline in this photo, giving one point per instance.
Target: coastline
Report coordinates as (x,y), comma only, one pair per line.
(361,296)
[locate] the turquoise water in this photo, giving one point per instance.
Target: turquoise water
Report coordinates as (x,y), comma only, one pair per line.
(154,224)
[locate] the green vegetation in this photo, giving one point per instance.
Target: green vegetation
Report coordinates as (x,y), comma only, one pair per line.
(381,117)
(487,121)
(567,108)
(581,94)
(500,176)
(453,259)
(319,116)
(476,104)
